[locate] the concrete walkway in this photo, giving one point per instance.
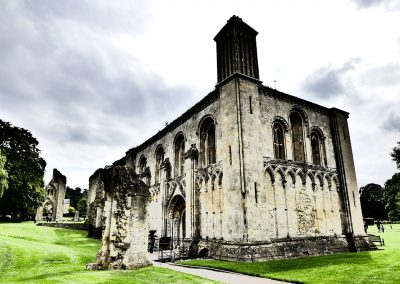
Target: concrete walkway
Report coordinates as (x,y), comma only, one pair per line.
(218,275)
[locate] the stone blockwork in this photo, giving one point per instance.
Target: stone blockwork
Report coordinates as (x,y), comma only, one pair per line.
(282,248)
(249,164)
(124,239)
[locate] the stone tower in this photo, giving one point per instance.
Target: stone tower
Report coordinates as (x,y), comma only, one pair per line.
(236,50)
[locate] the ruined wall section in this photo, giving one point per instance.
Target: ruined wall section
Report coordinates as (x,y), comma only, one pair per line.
(125,236)
(95,205)
(55,194)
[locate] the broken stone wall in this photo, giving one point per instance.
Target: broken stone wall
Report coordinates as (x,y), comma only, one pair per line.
(95,205)
(125,235)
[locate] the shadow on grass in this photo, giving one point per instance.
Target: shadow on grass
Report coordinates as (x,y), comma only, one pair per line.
(263,269)
(49,275)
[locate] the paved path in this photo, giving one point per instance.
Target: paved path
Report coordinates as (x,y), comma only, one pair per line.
(218,275)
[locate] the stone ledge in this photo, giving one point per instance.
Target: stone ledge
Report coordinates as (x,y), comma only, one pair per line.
(74,226)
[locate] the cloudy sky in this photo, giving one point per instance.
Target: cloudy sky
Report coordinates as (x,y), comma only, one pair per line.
(91,79)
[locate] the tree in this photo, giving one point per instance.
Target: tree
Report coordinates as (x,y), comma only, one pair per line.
(74,195)
(392,192)
(82,206)
(395,154)
(373,201)
(3,174)
(25,170)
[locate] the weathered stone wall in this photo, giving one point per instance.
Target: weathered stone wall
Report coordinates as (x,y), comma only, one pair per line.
(283,248)
(95,205)
(124,240)
(172,183)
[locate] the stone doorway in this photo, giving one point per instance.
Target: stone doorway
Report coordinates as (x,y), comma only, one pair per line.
(176,222)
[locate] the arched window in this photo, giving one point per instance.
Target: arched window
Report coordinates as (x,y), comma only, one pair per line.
(142,164)
(159,160)
(179,155)
(296,123)
(279,141)
(318,147)
(315,149)
(207,142)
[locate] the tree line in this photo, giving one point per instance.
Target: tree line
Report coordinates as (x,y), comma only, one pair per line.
(22,175)
(383,203)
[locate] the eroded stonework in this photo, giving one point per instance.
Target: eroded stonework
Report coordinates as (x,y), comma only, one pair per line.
(124,239)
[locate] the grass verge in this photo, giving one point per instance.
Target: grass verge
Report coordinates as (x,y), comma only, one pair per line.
(31,254)
(380,266)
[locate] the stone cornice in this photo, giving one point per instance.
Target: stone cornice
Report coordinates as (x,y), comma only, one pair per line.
(267,91)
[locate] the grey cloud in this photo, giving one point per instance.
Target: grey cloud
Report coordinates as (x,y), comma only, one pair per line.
(62,73)
(387,4)
(328,82)
(392,123)
(382,76)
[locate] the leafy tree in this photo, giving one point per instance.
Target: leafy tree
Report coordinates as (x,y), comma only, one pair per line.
(71,210)
(25,170)
(81,207)
(74,195)
(392,192)
(3,174)
(395,154)
(373,201)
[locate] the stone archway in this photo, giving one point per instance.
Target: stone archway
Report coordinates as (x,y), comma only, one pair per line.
(176,222)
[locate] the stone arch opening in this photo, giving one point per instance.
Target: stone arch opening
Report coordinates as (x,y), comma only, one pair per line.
(176,220)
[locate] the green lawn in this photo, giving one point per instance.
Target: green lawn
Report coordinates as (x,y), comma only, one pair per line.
(380,266)
(31,254)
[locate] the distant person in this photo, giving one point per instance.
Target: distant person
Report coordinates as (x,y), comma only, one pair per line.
(382,228)
(378,225)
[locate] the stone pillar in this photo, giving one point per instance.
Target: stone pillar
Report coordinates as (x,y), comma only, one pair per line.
(165,176)
(125,237)
(191,211)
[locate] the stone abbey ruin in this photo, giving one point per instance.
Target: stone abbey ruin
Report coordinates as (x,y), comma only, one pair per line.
(248,173)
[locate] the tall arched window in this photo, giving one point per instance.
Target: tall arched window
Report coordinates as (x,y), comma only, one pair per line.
(179,155)
(296,123)
(159,160)
(207,142)
(279,141)
(318,147)
(315,149)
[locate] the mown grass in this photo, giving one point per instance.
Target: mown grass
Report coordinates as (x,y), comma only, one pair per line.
(380,266)
(31,254)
